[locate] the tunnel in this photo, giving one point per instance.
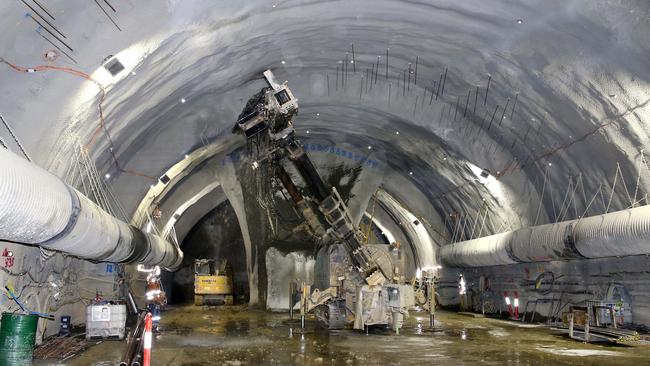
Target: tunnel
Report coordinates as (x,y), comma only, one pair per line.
(389,182)
(215,236)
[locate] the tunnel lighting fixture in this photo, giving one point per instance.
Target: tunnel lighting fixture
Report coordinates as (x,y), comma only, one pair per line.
(410,173)
(182,100)
(397,132)
(283,62)
(317,114)
(520,21)
(307,131)
(462,289)
(369,147)
(113,65)
(550,164)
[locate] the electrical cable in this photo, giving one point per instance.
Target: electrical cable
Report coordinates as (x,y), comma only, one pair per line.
(19,274)
(22,307)
(102,123)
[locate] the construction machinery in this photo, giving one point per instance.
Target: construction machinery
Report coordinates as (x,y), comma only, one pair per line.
(363,284)
(212,282)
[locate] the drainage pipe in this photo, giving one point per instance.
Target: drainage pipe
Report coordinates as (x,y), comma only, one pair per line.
(38,208)
(615,234)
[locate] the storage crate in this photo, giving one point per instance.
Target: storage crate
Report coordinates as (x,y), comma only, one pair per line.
(105,321)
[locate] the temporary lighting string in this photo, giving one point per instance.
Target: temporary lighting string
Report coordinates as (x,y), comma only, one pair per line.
(102,123)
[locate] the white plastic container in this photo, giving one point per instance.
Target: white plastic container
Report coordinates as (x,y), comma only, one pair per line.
(105,321)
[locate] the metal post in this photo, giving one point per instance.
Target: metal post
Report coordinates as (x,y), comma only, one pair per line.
(587,321)
(291,291)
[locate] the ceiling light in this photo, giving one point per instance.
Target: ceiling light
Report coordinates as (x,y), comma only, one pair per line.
(186,156)
(397,132)
(107,176)
(283,62)
(369,147)
(307,131)
(183,100)
(520,21)
(410,173)
(113,65)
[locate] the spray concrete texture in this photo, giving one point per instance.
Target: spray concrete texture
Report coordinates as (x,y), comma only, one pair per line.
(440,121)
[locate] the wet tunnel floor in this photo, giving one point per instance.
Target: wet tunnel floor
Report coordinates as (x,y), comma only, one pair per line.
(238,336)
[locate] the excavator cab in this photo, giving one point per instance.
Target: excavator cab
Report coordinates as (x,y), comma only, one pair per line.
(212,282)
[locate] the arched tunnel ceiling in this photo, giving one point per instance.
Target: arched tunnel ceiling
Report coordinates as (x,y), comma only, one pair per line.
(573,74)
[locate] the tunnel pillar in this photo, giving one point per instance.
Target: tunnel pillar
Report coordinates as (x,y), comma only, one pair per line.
(233,190)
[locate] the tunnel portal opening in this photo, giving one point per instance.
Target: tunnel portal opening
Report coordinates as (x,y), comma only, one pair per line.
(216,236)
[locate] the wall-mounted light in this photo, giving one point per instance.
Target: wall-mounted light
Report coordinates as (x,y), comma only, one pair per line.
(113,65)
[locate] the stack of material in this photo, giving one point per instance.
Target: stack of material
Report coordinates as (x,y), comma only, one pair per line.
(60,348)
(620,336)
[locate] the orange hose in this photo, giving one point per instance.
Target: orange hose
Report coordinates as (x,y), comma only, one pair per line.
(102,97)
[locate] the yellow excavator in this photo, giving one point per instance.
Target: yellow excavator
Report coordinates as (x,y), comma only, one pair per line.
(212,283)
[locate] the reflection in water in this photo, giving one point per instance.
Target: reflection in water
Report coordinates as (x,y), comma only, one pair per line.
(234,335)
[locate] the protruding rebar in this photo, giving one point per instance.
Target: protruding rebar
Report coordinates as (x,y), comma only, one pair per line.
(50,32)
(108,16)
(57,47)
(504,112)
(514,105)
(444,81)
(44,9)
(487,89)
(43,18)
(493,114)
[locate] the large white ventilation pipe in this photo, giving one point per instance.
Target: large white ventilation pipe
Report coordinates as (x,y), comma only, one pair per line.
(37,208)
(616,234)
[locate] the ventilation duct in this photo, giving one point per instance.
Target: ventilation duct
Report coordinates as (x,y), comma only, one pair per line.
(616,234)
(37,208)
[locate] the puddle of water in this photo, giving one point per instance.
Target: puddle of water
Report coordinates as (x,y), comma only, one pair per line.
(578,352)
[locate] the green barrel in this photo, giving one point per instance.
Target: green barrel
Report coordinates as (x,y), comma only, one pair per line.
(17,337)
